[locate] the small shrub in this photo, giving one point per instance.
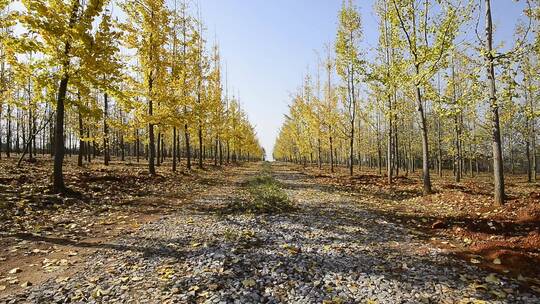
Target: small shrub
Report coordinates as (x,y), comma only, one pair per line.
(265,196)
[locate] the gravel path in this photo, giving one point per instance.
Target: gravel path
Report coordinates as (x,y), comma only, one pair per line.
(329,251)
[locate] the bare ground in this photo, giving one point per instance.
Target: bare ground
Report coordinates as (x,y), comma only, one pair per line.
(134,238)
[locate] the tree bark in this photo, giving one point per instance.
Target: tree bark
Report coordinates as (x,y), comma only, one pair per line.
(158,150)
(331,155)
(137,145)
(188,148)
(389,158)
(200,146)
(106,152)
(319,161)
(439,148)
(151,143)
(425,143)
(498,173)
(220,153)
(532,138)
(175,147)
(58,175)
(8,138)
(81,142)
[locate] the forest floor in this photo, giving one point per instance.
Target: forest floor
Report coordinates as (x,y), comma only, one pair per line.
(460,217)
(185,238)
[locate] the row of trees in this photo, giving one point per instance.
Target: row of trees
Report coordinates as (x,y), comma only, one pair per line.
(72,72)
(433,95)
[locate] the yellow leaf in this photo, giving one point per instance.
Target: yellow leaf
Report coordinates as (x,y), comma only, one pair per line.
(499,294)
(492,279)
(249,283)
(15,270)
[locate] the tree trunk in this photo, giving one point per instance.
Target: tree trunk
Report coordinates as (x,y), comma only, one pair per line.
(319,161)
(351,150)
(389,159)
(151,141)
(158,150)
(17,129)
(88,150)
(216,151)
(122,148)
(58,175)
(106,152)
(200,146)
(188,148)
(425,144)
(81,142)
(457,169)
(532,139)
(8,138)
(528,148)
(138,145)
(331,155)
(220,153)
(228,152)
(174,150)
(30,131)
(498,173)
(439,148)
(396,150)
(163,149)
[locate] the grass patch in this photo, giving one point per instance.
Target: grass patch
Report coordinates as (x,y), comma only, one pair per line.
(265,195)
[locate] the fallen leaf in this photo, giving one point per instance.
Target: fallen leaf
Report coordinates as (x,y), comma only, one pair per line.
(249,283)
(15,270)
(97,293)
(499,294)
(477,286)
(492,279)
(26,284)
(291,249)
(61,279)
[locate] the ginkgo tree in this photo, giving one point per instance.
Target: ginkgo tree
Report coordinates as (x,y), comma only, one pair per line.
(425,63)
(349,65)
(147,32)
(76,78)
(64,34)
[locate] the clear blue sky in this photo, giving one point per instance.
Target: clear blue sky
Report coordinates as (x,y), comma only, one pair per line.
(269,44)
